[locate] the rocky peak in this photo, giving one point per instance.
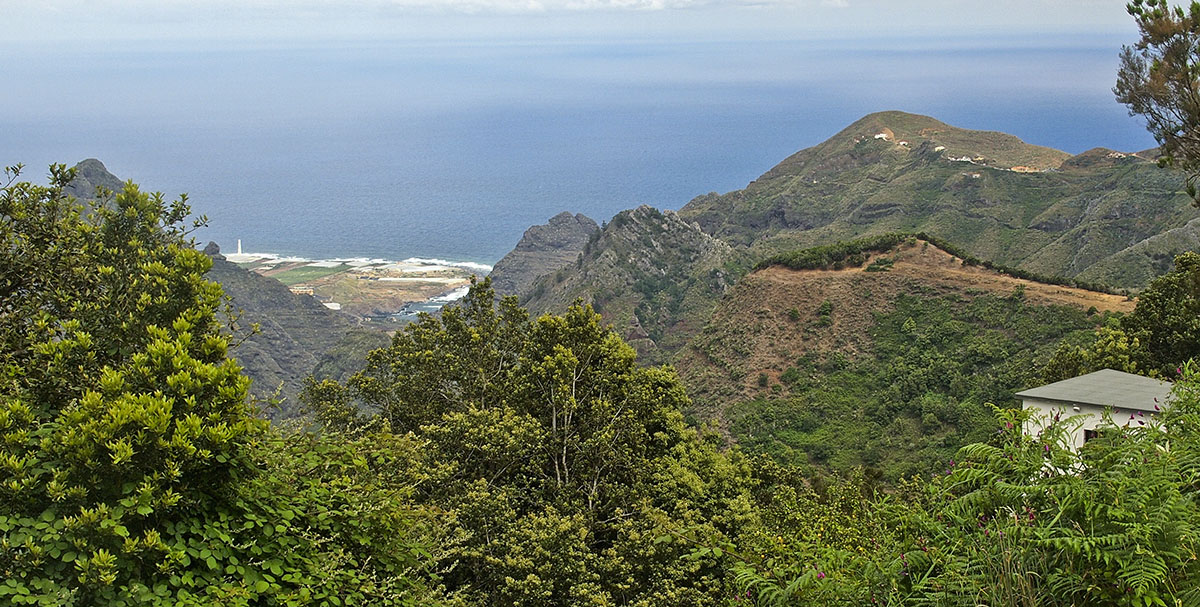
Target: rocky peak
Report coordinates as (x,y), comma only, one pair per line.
(89,175)
(213,250)
(635,272)
(543,249)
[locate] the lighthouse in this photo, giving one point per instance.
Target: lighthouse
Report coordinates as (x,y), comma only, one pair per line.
(239,246)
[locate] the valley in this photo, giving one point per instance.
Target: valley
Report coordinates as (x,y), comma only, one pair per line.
(891,358)
(783,371)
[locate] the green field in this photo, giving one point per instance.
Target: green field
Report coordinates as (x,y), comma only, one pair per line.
(307,273)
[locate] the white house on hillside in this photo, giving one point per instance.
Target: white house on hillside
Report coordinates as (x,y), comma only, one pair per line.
(1132,398)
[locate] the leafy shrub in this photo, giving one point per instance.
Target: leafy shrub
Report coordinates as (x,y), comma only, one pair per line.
(131,469)
(882,264)
(1020,520)
(556,454)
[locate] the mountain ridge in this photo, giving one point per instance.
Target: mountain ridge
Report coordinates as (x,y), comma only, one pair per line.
(773,315)
(1057,214)
(542,249)
(1100,217)
(651,274)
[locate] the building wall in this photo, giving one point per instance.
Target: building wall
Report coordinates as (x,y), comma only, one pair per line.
(1044,412)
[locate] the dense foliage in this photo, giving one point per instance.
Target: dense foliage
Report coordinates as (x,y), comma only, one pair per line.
(131,469)
(1161,333)
(1158,81)
(920,396)
(558,456)
(1019,520)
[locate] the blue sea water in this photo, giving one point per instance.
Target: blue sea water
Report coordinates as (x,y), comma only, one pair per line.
(451,150)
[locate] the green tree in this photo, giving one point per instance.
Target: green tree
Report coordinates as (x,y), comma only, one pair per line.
(132,471)
(1158,80)
(558,455)
(1161,333)
(1021,520)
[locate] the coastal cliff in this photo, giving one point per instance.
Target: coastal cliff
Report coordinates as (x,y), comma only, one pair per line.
(542,250)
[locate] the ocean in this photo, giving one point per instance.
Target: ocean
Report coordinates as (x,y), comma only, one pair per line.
(452,149)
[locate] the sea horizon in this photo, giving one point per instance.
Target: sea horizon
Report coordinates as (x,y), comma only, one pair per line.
(452,150)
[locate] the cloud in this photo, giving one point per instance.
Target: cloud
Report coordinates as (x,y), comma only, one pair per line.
(547,6)
(359,7)
(255,20)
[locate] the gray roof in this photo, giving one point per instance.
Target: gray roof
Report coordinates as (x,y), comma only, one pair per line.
(1105,388)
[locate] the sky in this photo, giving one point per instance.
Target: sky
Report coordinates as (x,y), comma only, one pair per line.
(447,127)
(232,21)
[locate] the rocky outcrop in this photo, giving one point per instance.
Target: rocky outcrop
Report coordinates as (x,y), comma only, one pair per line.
(542,250)
(89,175)
(651,274)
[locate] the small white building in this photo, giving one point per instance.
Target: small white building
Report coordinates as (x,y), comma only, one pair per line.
(1134,399)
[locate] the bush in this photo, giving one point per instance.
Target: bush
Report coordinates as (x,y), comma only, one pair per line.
(131,469)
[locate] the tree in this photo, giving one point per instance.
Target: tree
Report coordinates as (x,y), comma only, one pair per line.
(132,471)
(1161,333)
(557,454)
(1159,79)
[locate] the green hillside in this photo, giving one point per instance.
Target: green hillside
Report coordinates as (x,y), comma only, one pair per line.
(653,276)
(884,359)
(297,335)
(1100,218)
(1068,218)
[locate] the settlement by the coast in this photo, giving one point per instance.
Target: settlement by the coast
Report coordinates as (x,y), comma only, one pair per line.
(376,290)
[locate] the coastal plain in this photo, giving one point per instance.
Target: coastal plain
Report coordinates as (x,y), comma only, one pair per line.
(376,291)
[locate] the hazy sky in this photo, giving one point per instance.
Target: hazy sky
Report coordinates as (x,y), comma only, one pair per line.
(181,20)
(446,127)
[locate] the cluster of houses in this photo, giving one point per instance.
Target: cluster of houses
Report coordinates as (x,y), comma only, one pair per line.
(887,135)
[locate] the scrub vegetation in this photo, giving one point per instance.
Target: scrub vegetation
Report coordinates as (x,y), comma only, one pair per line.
(486,458)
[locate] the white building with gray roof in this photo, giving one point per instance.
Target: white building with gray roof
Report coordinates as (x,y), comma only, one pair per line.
(1134,399)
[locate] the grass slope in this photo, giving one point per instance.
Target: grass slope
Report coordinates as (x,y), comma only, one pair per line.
(1076,213)
(886,363)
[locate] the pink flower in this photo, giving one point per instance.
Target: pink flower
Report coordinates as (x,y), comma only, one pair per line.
(820,575)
